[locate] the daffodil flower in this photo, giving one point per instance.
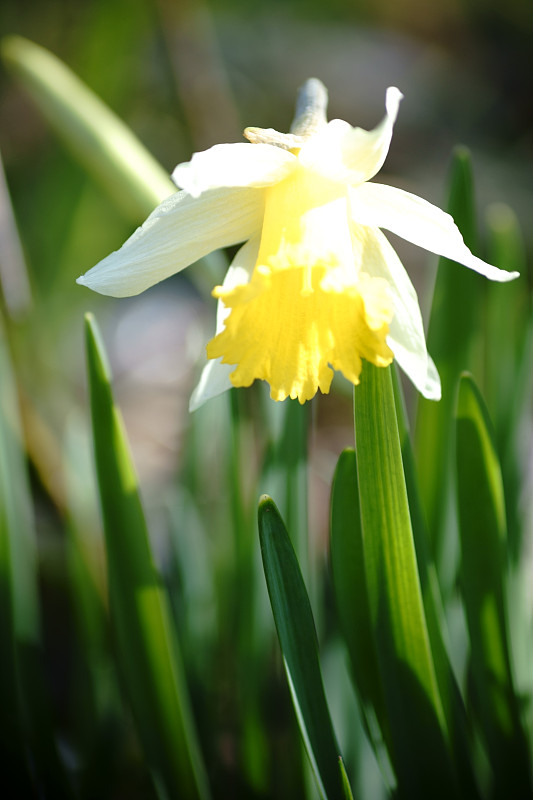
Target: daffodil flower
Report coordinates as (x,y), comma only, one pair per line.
(316,286)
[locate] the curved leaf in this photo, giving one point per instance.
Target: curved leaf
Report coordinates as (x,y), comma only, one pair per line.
(351,594)
(483,580)
(298,642)
(105,146)
(418,730)
(27,737)
(453,334)
(146,644)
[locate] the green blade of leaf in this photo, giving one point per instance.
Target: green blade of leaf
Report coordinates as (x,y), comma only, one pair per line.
(418,730)
(285,472)
(351,594)
(298,642)
(17,508)
(452,701)
(14,617)
(146,642)
(95,701)
(345,782)
(506,318)
(103,144)
(14,280)
(453,332)
(26,729)
(483,581)
(508,335)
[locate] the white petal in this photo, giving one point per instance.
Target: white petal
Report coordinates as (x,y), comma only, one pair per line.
(406,334)
(215,376)
(240,164)
(348,154)
(177,233)
(214,380)
(419,222)
(432,389)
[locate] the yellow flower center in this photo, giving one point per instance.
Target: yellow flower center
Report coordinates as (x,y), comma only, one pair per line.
(308,309)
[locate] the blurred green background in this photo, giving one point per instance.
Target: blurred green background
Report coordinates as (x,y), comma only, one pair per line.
(186,75)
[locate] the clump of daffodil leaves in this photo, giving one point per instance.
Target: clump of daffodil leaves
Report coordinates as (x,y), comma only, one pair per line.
(316,286)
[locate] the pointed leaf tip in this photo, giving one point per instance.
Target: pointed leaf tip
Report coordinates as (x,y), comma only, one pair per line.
(96,351)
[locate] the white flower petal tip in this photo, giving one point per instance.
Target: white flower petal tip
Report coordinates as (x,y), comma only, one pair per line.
(181,230)
(214,380)
(432,389)
(490,272)
(419,222)
(432,392)
(90,281)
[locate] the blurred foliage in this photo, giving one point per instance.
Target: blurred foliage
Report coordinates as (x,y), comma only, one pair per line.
(184,75)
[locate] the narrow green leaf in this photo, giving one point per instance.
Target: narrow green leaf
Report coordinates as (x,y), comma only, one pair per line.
(298,642)
(103,144)
(418,730)
(509,340)
(285,471)
(506,316)
(452,701)
(146,643)
(17,508)
(95,702)
(453,331)
(351,595)
(345,782)
(84,543)
(26,729)
(14,280)
(483,582)
(14,618)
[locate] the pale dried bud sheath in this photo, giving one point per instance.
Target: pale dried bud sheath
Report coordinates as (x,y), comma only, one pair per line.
(311,108)
(309,117)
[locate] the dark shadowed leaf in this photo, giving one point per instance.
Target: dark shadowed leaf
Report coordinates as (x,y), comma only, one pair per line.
(483,576)
(298,642)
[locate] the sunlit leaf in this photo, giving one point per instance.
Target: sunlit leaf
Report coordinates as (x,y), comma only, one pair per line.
(146,643)
(351,594)
(345,782)
(452,701)
(418,729)
(103,144)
